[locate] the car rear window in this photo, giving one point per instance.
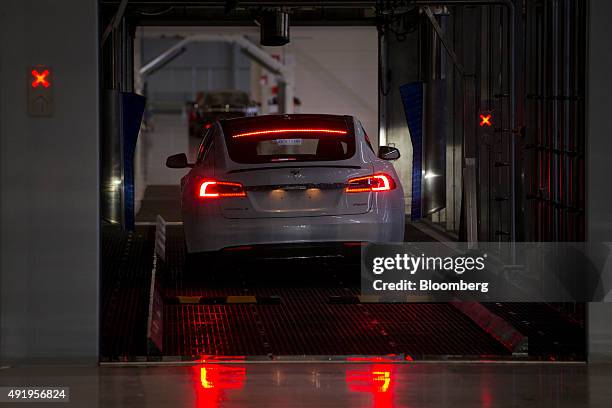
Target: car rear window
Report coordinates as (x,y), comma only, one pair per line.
(289,138)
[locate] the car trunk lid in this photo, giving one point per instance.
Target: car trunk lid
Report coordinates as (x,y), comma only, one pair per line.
(291,191)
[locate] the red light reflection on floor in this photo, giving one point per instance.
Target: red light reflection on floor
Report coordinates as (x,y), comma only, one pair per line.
(486,399)
(389,358)
(375,379)
(212,381)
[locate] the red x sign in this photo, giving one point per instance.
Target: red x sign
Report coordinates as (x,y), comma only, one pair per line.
(39,81)
(486,120)
(40,78)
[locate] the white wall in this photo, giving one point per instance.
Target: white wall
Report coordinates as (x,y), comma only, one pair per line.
(336,71)
(49,188)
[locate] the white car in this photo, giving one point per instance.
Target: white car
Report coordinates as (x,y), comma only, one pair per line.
(283,181)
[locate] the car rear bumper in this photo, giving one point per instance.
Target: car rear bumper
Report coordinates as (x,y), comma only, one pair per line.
(324,251)
(215,233)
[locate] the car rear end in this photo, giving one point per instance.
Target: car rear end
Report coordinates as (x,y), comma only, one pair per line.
(295,181)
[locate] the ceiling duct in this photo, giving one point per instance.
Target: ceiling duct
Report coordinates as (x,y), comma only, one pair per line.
(274,28)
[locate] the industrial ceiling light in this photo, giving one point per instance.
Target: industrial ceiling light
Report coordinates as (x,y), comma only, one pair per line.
(274,27)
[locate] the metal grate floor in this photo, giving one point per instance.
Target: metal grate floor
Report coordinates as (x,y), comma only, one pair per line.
(125,280)
(300,327)
(304,323)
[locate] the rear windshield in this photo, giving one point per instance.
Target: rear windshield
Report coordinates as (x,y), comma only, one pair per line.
(291,138)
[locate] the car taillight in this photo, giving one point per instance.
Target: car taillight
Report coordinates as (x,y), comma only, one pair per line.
(214,189)
(375,183)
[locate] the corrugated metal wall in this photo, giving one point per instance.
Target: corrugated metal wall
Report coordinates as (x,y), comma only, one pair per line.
(549,137)
(554,145)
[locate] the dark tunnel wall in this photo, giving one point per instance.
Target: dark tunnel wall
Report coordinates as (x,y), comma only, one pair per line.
(554,102)
(549,131)
(529,173)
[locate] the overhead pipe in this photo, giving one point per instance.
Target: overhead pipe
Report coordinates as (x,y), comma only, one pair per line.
(115,21)
(165,60)
(442,37)
(246,46)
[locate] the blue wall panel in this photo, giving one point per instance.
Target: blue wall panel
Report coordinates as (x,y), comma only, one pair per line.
(412,99)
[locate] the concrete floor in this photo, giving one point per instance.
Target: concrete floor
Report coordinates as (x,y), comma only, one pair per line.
(414,385)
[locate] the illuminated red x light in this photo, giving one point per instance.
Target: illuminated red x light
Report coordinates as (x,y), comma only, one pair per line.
(486,120)
(40,78)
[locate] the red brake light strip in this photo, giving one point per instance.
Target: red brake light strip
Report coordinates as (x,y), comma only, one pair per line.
(305,130)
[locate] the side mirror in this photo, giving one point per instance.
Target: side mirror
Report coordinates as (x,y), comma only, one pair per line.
(388,153)
(178,161)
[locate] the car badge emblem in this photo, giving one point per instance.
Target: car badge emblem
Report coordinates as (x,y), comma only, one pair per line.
(297,174)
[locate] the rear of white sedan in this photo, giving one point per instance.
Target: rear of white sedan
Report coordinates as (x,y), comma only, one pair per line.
(289,181)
